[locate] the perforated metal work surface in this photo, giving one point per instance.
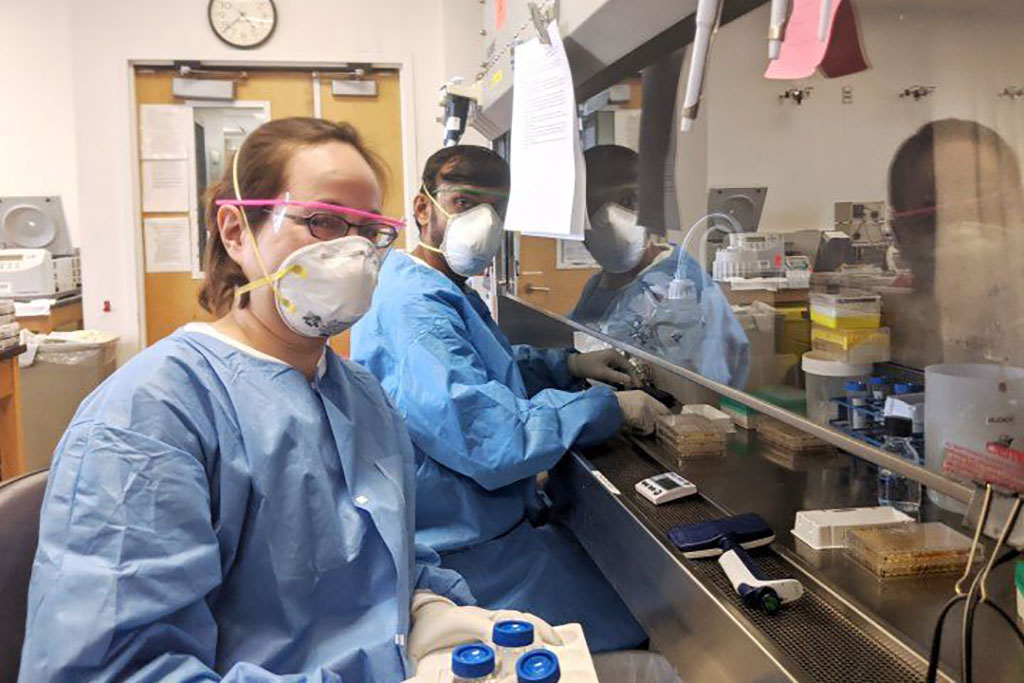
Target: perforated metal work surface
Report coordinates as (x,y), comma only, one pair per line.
(819,638)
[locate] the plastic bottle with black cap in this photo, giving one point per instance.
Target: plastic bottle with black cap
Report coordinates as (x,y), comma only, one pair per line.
(897,490)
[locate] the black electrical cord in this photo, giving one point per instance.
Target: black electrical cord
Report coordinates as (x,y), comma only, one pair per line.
(933,655)
(969,673)
(967,646)
(936,649)
(1007,618)
(967,650)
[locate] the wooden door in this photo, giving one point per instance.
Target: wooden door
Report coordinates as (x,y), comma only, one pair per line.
(172,298)
(379,119)
(542,283)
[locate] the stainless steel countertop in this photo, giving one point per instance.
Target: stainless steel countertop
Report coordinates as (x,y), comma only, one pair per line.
(747,480)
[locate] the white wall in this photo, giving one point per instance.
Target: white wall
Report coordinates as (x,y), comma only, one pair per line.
(84,133)
(37,122)
(463,48)
(823,151)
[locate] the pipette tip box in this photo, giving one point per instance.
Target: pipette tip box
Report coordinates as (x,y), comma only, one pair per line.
(824,529)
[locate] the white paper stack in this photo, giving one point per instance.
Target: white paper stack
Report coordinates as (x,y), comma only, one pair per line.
(548,194)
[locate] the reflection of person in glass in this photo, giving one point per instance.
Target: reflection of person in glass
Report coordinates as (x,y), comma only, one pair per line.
(629,298)
(958,216)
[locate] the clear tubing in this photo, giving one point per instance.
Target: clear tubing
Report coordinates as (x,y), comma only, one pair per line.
(734,226)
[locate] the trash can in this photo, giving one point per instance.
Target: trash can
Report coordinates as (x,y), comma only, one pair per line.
(57,372)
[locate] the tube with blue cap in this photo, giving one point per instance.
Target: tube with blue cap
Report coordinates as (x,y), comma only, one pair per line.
(473,663)
(708,14)
(538,666)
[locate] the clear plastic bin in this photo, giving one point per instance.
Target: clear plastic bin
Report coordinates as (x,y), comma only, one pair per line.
(849,309)
(76,362)
(825,379)
(853,345)
(910,549)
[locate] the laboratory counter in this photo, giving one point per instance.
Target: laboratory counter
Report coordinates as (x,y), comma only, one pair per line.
(848,626)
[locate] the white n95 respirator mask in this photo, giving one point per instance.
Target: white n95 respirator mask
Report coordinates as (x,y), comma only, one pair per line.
(324,288)
(471,240)
(615,239)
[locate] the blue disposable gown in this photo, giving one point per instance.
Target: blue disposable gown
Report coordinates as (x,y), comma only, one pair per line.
(211,514)
(717,349)
(483,426)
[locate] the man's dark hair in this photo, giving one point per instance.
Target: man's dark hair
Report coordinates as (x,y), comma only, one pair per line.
(913,192)
(612,165)
(466,164)
(916,156)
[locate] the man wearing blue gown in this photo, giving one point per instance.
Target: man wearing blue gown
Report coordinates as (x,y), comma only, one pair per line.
(628,299)
(486,417)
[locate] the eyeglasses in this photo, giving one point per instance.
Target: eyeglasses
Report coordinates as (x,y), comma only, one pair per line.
(468,196)
(332,221)
(331,226)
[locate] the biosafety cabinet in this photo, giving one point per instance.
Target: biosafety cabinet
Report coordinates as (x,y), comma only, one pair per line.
(852,298)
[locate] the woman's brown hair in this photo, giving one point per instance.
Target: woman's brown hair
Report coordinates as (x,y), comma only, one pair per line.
(262,163)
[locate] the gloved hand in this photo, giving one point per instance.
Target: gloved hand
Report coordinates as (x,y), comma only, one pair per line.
(438,623)
(606,365)
(639,410)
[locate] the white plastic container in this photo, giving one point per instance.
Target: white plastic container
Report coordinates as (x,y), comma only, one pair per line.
(969,404)
(826,379)
(823,529)
(848,309)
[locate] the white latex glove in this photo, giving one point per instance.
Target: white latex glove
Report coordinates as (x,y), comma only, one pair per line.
(437,623)
(606,365)
(639,410)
